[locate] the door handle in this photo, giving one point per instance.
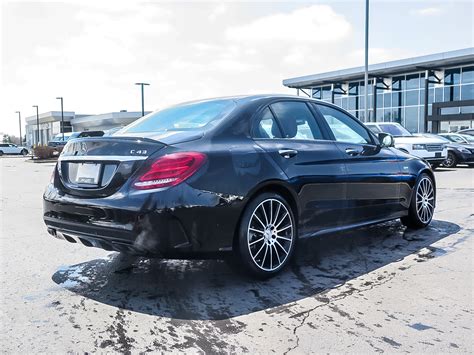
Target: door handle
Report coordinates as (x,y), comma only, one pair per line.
(287,153)
(352,152)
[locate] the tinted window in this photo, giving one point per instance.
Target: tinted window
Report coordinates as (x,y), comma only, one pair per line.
(344,127)
(267,126)
(457,139)
(189,116)
(296,120)
(374,129)
(468,75)
(394,130)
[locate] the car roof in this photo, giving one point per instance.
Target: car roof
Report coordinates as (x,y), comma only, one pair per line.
(243,99)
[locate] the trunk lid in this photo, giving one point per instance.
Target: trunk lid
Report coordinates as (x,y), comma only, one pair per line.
(100,166)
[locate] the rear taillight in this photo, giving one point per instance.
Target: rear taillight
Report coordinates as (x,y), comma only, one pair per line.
(170,170)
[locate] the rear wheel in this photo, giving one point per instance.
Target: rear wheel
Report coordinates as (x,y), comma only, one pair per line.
(1,153)
(451,160)
(24,152)
(422,204)
(267,235)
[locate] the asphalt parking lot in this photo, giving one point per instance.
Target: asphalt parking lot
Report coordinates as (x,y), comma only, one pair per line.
(377,289)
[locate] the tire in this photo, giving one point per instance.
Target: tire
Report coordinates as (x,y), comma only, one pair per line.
(451,160)
(267,235)
(422,204)
(1,153)
(24,152)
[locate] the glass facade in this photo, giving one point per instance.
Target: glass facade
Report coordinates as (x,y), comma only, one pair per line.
(401,98)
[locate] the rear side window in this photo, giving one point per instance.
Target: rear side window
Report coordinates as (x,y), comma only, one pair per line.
(296,120)
(266,126)
(344,128)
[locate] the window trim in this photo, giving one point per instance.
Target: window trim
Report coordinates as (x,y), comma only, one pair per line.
(374,139)
(257,118)
(324,131)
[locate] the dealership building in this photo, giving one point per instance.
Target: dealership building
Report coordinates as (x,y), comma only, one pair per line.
(432,93)
(50,123)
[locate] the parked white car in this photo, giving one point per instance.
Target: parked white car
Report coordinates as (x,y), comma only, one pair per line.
(432,149)
(9,148)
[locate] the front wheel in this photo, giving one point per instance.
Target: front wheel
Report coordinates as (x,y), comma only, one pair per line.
(422,204)
(267,235)
(451,160)
(24,152)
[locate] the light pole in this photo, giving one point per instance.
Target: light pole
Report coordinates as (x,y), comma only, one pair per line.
(62,116)
(38,127)
(366,76)
(19,124)
(143,98)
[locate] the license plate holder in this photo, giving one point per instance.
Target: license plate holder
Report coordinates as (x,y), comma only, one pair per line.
(87,174)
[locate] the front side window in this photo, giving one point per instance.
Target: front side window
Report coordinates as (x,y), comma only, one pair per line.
(189,116)
(266,126)
(344,127)
(296,120)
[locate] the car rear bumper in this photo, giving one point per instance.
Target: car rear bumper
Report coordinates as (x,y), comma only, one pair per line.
(146,224)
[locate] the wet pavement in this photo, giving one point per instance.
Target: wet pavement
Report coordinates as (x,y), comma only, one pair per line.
(377,289)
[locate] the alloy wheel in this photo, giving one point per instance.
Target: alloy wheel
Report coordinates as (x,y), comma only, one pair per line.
(425,200)
(270,234)
(449,162)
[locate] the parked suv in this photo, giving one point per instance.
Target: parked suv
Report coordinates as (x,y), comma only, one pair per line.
(9,148)
(431,149)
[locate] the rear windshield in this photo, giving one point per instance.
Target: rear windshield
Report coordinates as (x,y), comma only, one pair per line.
(184,117)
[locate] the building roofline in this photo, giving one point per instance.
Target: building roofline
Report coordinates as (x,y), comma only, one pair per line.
(43,115)
(432,61)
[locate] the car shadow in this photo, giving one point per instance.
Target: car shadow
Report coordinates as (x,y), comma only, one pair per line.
(211,290)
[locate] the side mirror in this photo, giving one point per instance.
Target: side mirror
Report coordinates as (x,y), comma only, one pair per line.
(386,140)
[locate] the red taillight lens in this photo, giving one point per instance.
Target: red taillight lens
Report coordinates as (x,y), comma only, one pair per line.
(170,170)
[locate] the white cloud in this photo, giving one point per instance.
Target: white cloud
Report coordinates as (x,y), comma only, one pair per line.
(428,11)
(218,11)
(316,24)
(92,53)
(378,55)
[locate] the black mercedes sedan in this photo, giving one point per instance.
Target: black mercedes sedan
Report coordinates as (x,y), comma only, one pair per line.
(247,175)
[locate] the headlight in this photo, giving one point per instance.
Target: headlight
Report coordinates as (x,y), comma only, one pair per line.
(463,150)
(419,147)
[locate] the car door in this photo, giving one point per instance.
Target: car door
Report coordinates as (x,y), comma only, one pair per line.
(373,172)
(8,149)
(13,149)
(289,132)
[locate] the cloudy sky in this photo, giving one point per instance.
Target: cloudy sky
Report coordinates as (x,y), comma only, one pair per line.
(92,52)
